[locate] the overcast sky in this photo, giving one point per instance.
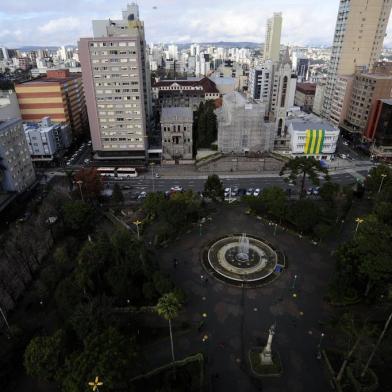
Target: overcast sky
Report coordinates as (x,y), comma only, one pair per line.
(62,22)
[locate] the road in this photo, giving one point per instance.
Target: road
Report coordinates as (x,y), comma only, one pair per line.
(147,184)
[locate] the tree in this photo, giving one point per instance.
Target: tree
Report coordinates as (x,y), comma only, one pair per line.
(78,217)
(91,182)
(169,307)
(306,167)
(329,192)
(304,214)
(44,356)
(375,252)
(206,128)
(213,188)
(375,178)
(109,354)
(117,195)
(274,200)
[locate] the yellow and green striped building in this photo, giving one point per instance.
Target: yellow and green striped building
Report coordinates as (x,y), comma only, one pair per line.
(314,141)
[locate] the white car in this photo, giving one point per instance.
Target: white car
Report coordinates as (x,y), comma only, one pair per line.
(227,192)
(142,195)
(256,192)
(86,161)
(250,192)
(345,143)
(176,188)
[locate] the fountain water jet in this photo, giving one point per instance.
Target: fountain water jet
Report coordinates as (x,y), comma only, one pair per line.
(243,249)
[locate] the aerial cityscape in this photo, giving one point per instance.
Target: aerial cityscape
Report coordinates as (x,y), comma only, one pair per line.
(196,197)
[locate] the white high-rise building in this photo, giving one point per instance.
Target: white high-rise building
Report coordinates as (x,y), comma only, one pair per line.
(272,37)
(358,42)
(117,86)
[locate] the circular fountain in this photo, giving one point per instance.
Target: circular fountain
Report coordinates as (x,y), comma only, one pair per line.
(241,259)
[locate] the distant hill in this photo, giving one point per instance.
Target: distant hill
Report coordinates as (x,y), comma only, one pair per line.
(225,44)
(50,48)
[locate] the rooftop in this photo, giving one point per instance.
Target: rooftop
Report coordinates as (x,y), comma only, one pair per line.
(387,101)
(302,121)
(177,114)
(53,76)
(5,124)
(207,84)
(307,88)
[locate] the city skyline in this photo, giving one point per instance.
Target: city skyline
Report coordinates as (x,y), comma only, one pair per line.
(44,23)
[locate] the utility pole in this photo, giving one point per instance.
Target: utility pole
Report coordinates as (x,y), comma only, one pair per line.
(380,338)
(5,319)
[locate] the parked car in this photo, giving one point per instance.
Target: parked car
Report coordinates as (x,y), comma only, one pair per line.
(309,191)
(176,188)
(157,175)
(126,187)
(142,195)
(227,192)
(86,161)
(256,192)
(249,192)
(234,191)
(316,191)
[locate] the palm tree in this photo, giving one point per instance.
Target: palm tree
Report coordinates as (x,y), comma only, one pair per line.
(168,307)
(307,167)
(70,176)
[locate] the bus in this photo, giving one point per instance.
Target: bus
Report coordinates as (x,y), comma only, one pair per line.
(106,171)
(126,172)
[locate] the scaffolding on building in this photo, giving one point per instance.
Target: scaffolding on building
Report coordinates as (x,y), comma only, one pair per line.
(241,126)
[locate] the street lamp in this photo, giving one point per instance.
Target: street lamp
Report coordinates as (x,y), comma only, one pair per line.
(137,223)
(80,182)
(359,221)
(319,346)
(95,384)
(294,281)
(152,174)
(383,176)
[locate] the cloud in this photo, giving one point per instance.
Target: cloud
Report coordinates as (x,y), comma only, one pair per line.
(48,22)
(55,25)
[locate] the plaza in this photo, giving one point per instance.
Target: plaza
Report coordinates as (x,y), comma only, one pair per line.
(235,319)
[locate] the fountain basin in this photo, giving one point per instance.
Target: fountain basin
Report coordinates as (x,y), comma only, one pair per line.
(225,258)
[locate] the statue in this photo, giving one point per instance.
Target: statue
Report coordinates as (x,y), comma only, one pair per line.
(266,355)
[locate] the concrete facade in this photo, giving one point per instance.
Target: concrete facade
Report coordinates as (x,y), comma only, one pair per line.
(117,84)
(47,140)
(312,136)
(59,95)
(9,106)
(304,96)
(358,42)
(183,93)
(367,90)
(177,137)
(16,168)
(272,37)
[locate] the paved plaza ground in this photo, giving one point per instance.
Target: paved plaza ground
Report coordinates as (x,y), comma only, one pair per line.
(238,319)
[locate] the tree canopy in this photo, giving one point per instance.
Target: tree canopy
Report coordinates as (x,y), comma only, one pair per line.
(306,167)
(213,187)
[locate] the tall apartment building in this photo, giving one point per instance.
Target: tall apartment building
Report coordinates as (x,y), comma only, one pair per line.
(260,79)
(358,41)
(117,85)
(272,37)
(59,95)
(379,130)
(16,169)
(367,90)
